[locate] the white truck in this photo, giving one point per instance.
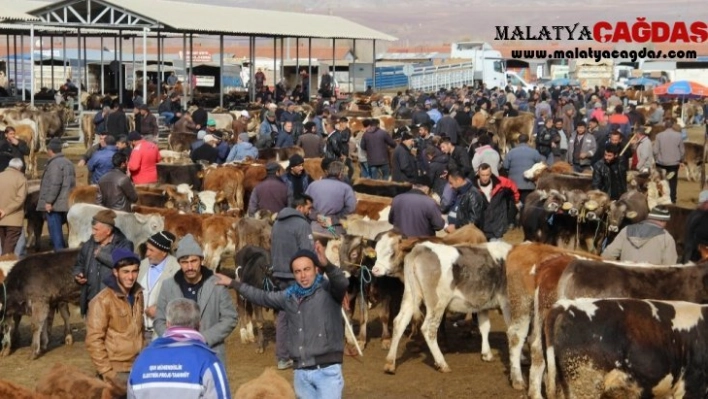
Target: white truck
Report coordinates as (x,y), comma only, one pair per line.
(671,71)
(489,67)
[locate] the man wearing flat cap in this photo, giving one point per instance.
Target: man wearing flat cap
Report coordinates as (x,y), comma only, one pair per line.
(312,307)
(94,262)
(296,178)
(271,194)
(198,283)
(158,266)
(646,241)
(114,326)
(405,164)
(58,180)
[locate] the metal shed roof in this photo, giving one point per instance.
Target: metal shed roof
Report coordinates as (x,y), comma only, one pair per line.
(13,10)
(195,17)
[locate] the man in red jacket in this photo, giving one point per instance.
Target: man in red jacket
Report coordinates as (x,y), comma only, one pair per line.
(143,160)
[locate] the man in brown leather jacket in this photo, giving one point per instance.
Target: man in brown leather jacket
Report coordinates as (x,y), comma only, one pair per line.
(115,189)
(114,326)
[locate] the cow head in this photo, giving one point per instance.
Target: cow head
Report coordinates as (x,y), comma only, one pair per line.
(575,201)
(356,252)
(554,201)
(596,205)
(150,225)
(616,215)
(535,172)
(389,257)
(176,200)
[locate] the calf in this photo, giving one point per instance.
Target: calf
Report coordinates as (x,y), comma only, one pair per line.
(564,182)
(465,278)
(253,268)
(175,174)
(631,207)
(253,231)
(676,226)
(136,227)
(230,181)
(39,285)
(64,381)
(626,348)
(35,218)
(219,235)
(181,141)
(270,384)
(693,159)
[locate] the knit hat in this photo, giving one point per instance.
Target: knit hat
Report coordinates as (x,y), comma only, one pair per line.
(162,240)
(106,216)
(201,134)
(188,246)
(296,159)
(659,213)
(134,136)
(305,253)
(211,122)
(406,136)
(120,254)
(55,145)
(270,114)
(703,196)
(243,137)
(209,138)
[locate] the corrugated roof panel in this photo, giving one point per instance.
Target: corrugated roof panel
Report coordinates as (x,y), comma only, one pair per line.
(17,10)
(248,21)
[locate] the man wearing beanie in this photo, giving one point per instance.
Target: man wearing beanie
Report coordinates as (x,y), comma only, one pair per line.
(114,326)
(415,213)
(158,266)
(198,283)
(95,260)
(312,307)
(58,179)
(405,165)
(295,178)
(242,149)
(271,194)
(646,241)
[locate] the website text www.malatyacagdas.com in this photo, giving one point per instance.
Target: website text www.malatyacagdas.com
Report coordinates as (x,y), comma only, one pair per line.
(598,55)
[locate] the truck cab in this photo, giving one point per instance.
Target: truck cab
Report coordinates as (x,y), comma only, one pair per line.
(513,79)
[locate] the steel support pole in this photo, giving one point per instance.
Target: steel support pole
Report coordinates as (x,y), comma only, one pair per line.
(373,72)
(135,75)
(78,65)
(145,31)
(51,50)
(22,45)
(103,91)
(41,58)
(191,67)
(334,68)
(221,71)
(85,77)
(309,63)
(14,39)
(353,77)
(275,60)
(121,84)
(32,65)
(160,70)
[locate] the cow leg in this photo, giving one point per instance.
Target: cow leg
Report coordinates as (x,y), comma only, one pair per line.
(64,312)
(258,315)
(364,313)
(385,317)
(249,327)
(516,335)
(484,327)
(433,317)
(40,313)
(409,305)
(538,363)
(243,320)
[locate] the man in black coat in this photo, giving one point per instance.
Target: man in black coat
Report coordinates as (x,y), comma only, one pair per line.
(405,166)
(12,147)
(610,175)
(116,124)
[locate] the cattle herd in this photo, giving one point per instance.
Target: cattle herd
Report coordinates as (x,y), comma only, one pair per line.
(594,328)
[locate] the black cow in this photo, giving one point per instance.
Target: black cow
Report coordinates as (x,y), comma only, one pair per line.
(624,348)
(562,182)
(676,226)
(380,187)
(190,174)
(252,268)
(39,285)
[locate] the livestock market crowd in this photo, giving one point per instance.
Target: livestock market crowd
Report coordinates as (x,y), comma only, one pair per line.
(395,201)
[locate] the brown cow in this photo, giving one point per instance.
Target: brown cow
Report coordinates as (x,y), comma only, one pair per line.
(228,179)
(64,382)
(181,141)
(507,129)
(269,385)
(11,390)
(219,234)
(88,129)
(253,231)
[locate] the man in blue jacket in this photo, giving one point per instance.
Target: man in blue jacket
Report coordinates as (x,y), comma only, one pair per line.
(520,159)
(179,364)
(313,309)
(102,161)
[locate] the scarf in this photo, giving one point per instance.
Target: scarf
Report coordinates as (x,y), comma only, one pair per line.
(299,293)
(181,334)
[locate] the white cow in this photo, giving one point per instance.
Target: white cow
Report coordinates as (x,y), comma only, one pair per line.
(136,227)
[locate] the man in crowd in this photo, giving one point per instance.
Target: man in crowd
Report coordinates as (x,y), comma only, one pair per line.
(669,152)
(102,161)
(143,159)
(469,204)
(183,347)
(485,154)
(58,180)
(520,159)
(12,205)
(295,178)
(242,149)
(405,165)
(581,148)
(148,124)
(291,233)
(502,201)
(94,262)
(610,175)
(285,136)
(415,213)
(207,152)
(271,194)
(114,326)
(643,159)
(116,122)
(375,143)
(312,305)
(12,147)
(198,283)
(458,157)
(332,200)
(115,190)
(646,241)
(158,266)
(312,144)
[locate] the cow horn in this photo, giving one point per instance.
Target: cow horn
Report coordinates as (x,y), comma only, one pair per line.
(567,206)
(591,205)
(631,215)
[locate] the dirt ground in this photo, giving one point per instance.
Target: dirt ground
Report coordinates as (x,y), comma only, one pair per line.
(416,376)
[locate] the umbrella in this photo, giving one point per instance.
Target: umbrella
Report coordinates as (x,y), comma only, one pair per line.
(643,82)
(682,89)
(562,82)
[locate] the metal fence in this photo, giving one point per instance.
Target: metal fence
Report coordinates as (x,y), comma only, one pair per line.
(432,78)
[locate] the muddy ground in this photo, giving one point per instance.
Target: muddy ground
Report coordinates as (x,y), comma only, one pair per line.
(416,376)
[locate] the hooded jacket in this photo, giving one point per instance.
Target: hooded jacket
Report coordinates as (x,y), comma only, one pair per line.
(643,242)
(291,233)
